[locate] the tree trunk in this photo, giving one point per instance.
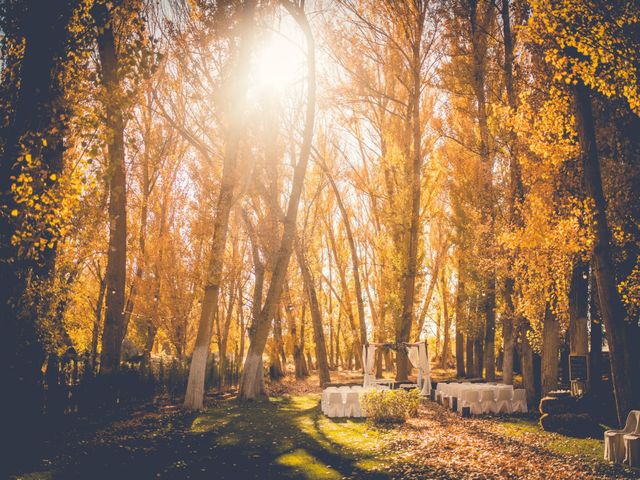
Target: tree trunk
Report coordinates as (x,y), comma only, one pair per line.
(112,335)
(490,330)
(478,356)
(346,303)
(578,310)
(595,340)
(194,395)
(447,324)
(460,294)
(470,363)
(550,350)
(515,197)
(611,308)
(250,383)
(526,360)
(507,360)
(355,263)
(479,31)
(97,323)
(403,327)
(316,319)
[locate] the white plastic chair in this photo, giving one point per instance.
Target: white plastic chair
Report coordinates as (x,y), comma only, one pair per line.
(503,401)
(335,405)
(471,399)
(519,401)
(486,400)
(614,445)
(352,405)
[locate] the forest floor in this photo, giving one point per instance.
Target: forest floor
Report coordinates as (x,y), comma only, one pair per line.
(288,437)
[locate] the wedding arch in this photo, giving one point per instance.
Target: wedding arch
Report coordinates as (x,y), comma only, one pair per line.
(417,353)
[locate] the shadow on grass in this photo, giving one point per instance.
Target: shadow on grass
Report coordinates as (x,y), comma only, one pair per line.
(287,437)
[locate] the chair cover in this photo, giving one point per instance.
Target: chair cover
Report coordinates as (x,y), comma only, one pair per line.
(632,448)
(614,444)
(471,399)
(352,405)
(334,406)
(486,400)
(519,402)
(503,401)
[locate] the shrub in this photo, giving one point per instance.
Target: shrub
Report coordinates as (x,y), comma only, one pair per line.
(390,406)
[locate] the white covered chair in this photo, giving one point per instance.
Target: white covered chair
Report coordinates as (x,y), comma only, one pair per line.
(632,448)
(334,406)
(502,403)
(519,401)
(324,398)
(486,400)
(614,444)
(471,399)
(352,405)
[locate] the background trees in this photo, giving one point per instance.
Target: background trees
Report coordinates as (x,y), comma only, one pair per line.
(460,171)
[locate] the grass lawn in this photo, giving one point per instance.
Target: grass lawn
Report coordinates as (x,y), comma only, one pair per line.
(288,437)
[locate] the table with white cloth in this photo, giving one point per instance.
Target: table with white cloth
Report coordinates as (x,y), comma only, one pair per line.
(457,390)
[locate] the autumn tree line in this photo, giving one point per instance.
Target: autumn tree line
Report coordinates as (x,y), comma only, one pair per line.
(461,171)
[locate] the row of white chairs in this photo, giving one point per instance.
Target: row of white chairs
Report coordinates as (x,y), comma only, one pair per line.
(483,398)
(484,401)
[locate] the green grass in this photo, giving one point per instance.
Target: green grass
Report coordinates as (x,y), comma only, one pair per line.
(289,437)
(587,449)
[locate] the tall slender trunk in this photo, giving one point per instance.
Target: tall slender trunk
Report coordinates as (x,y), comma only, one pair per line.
(611,308)
(355,263)
(447,323)
(194,395)
(526,361)
(97,323)
(113,332)
(550,350)
(479,30)
(250,383)
(478,351)
(223,333)
(430,289)
(460,295)
(469,352)
(346,303)
(579,310)
(595,339)
(515,197)
(316,318)
(403,328)
(142,241)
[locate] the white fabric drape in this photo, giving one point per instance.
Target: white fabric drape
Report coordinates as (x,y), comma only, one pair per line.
(369,360)
(424,372)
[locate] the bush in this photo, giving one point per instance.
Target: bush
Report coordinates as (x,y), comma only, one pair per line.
(390,406)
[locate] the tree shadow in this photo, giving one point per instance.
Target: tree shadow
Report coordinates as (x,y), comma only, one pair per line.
(279,439)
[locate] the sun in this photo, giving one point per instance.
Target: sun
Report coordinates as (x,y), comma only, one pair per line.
(278,63)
